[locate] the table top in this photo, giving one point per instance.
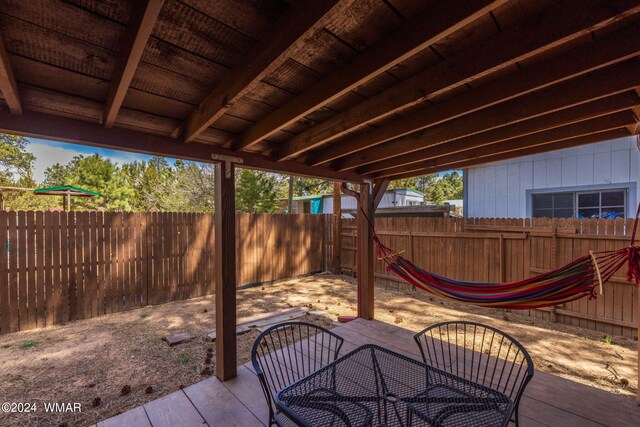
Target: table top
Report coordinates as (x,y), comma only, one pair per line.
(373,386)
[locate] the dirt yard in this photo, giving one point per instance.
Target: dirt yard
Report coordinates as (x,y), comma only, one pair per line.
(114,363)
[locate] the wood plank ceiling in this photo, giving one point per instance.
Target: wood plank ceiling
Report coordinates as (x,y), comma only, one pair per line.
(340,89)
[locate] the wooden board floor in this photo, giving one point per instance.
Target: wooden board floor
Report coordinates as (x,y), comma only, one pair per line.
(548,400)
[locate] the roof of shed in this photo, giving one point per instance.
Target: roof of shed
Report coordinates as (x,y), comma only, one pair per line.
(340,89)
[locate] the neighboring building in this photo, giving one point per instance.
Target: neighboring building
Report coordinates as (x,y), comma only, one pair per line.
(324,203)
(591,181)
(458,206)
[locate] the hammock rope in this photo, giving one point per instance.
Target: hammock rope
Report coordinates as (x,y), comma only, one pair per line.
(575,280)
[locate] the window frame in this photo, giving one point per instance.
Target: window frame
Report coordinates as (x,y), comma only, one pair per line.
(576,197)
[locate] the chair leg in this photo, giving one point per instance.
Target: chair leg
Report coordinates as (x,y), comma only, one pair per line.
(516,419)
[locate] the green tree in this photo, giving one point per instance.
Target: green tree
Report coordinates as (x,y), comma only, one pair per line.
(16,170)
(420,183)
(152,183)
(255,191)
(194,187)
(15,161)
(97,174)
(449,186)
(436,189)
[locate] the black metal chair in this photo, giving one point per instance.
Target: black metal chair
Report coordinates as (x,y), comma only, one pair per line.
(287,352)
(479,353)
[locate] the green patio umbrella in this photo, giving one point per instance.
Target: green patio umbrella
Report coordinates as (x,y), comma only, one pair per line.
(66,191)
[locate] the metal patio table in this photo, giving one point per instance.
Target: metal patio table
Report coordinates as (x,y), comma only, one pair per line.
(373,386)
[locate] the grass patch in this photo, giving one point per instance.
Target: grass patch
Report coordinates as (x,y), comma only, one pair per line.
(28,344)
(135,350)
(608,339)
(144,315)
(5,345)
(184,358)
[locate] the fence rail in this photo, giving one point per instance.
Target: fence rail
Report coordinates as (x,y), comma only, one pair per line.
(60,266)
(503,250)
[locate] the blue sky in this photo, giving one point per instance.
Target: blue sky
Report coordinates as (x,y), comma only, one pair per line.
(51,152)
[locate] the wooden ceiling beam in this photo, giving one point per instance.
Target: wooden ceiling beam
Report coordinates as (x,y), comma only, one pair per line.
(440,20)
(599,53)
(143,18)
(64,129)
(568,143)
(599,84)
(297,24)
(587,111)
(600,124)
(8,85)
(563,22)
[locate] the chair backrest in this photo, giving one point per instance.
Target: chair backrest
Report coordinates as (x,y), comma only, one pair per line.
(478,353)
(287,352)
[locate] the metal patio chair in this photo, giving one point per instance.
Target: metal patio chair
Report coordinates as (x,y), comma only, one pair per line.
(287,352)
(479,353)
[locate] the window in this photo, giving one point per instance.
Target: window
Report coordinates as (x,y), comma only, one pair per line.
(587,204)
(555,205)
(601,204)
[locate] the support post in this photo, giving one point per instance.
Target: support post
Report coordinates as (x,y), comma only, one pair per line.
(368,200)
(225,271)
(337,227)
(365,254)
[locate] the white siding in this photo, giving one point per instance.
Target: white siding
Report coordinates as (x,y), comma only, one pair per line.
(500,189)
(389,199)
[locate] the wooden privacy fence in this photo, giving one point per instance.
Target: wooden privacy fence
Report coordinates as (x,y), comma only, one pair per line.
(59,266)
(502,250)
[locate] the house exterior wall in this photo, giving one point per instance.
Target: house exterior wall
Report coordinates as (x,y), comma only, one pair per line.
(504,189)
(390,198)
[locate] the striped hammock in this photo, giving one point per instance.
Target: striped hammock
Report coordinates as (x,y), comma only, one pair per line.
(575,280)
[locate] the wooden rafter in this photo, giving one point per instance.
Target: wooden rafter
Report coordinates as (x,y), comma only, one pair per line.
(561,23)
(584,128)
(141,22)
(616,47)
(79,131)
(587,111)
(560,145)
(298,23)
(440,20)
(600,84)
(8,85)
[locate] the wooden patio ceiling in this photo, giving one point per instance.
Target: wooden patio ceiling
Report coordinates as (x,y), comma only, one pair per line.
(341,89)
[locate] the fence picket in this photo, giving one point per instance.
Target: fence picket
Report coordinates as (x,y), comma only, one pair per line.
(4,275)
(58,267)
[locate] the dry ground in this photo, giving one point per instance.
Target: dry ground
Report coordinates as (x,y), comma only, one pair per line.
(94,358)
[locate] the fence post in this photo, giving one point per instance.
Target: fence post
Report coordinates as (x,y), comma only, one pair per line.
(555,261)
(337,227)
(503,273)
